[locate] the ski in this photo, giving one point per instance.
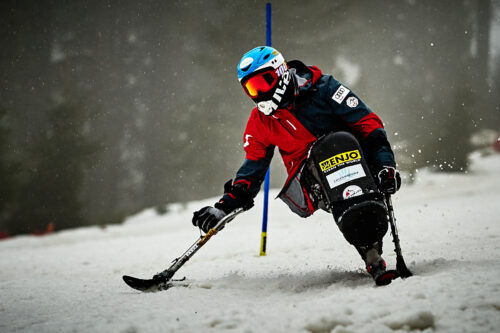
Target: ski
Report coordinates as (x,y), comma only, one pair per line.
(154,284)
(386,277)
(163,280)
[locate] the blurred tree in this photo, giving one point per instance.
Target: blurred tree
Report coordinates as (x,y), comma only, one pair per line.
(54,171)
(453,98)
(25,74)
(194,123)
(432,61)
(8,172)
(493,121)
(487,97)
(102,53)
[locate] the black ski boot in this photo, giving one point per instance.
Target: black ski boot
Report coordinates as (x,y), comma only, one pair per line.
(379,273)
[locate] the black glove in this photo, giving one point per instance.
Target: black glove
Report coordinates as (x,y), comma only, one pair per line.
(207,218)
(389,180)
(235,196)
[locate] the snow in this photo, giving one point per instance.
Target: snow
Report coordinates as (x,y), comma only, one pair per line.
(310,281)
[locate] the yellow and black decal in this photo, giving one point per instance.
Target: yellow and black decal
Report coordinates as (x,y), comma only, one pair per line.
(207,236)
(339,159)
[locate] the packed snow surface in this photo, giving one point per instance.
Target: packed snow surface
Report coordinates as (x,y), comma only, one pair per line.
(310,281)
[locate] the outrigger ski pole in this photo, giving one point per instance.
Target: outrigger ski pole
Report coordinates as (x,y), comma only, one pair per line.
(404,272)
(163,280)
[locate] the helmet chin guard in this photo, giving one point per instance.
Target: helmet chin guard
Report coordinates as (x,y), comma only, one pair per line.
(267,107)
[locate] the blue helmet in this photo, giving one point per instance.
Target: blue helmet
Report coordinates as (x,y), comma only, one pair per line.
(258,58)
(261,71)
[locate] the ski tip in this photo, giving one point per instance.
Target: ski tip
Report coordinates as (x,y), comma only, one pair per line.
(386,277)
(130,281)
(146,285)
(138,284)
(127,278)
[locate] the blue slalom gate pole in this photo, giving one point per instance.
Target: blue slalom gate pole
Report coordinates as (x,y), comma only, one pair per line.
(268,24)
(263,240)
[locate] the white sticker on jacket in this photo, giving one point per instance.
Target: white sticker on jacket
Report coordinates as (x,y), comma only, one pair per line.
(340,94)
(352,102)
(345,175)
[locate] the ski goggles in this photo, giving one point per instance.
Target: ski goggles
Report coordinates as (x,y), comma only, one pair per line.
(260,83)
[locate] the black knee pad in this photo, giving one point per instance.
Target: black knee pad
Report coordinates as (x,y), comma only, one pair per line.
(364,223)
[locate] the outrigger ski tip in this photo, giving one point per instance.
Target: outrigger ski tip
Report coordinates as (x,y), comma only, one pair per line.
(141,284)
(163,280)
(152,285)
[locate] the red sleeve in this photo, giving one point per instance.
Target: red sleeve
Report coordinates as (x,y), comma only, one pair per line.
(254,139)
(366,125)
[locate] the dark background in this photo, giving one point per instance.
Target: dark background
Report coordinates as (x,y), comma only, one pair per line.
(109,107)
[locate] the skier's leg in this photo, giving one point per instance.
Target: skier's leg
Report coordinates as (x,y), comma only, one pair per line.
(375,264)
(350,193)
(370,254)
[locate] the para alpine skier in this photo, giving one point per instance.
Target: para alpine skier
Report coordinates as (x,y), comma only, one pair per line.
(331,144)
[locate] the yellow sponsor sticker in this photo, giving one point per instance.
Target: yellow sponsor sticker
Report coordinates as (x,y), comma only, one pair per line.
(339,159)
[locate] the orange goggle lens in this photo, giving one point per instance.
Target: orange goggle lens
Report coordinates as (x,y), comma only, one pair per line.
(260,83)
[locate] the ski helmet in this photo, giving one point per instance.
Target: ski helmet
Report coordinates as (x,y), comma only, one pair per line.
(264,75)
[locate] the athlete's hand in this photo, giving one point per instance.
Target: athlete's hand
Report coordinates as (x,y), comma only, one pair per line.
(207,218)
(235,196)
(389,180)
